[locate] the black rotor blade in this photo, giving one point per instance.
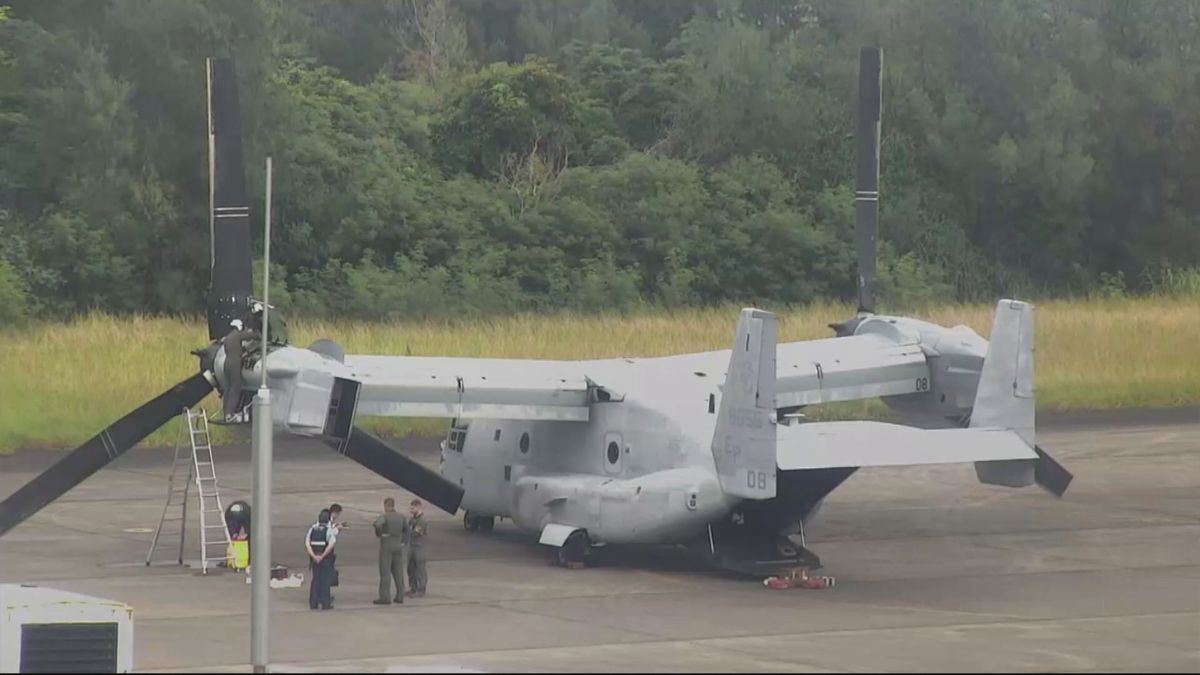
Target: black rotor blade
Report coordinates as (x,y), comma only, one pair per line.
(1050,475)
(381,458)
(866,182)
(229,209)
(103,448)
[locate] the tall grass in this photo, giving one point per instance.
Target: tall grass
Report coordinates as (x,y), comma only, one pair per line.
(61,383)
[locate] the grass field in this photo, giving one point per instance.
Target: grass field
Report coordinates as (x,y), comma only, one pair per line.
(62,383)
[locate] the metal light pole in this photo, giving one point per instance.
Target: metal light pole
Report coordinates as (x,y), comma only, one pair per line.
(260,563)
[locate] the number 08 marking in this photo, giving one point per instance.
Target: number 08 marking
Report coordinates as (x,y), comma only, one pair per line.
(756,480)
(922,384)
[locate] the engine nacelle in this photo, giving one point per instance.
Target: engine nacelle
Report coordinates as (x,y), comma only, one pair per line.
(955,356)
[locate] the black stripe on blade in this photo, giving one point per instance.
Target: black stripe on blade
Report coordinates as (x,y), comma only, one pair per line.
(381,458)
(1051,475)
(103,448)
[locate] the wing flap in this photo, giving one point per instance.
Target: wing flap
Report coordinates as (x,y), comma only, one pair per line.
(825,445)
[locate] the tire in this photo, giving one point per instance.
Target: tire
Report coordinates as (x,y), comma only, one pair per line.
(470,522)
(575,549)
(487,523)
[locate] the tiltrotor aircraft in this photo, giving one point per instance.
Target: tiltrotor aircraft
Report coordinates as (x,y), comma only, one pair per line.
(704,450)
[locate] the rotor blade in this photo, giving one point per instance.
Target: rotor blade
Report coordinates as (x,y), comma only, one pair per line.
(1050,475)
(381,458)
(866,182)
(229,209)
(103,448)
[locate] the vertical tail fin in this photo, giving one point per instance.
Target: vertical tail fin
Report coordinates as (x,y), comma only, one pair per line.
(1005,398)
(1005,394)
(744,440)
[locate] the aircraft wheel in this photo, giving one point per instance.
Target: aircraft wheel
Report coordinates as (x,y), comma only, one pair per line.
(474,522)
(574,549)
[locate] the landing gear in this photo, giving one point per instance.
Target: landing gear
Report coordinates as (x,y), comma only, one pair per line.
(473,522)
(574,550)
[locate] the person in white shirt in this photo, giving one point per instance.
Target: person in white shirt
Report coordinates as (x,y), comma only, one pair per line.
(335,519)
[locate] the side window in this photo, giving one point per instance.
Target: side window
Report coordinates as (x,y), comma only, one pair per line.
(457,439)
(614,450)
(524,443)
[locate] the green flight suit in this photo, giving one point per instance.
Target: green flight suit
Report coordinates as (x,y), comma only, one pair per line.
(392,530)
(416,554)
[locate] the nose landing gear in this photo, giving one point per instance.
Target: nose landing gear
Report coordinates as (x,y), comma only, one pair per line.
(574,551)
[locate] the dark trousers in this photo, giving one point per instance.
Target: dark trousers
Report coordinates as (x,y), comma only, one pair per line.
(319,588)
(416,569)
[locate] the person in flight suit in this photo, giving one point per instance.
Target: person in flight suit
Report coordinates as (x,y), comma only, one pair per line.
(392,530)
(417,532)
(319,543)
(278,333)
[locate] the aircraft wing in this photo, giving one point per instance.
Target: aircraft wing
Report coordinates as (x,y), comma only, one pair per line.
(315,389)
(808,372)
(824,445)
(423,386)
(833,369)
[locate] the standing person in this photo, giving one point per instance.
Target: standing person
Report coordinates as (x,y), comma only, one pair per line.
(335,527)
(417,531)
(319,544)
(392,530)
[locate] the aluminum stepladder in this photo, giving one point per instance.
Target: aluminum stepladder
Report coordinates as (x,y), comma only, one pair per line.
(200,469)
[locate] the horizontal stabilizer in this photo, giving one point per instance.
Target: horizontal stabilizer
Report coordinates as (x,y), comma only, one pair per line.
(826,445)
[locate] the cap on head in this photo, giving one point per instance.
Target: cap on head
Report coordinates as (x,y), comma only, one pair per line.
(258,308)
(236,323)
(415,503)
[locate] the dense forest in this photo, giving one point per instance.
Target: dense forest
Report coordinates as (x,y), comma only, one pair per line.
(438,157)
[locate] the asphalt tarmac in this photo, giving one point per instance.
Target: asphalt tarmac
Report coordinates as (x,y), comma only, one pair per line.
(935,572)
